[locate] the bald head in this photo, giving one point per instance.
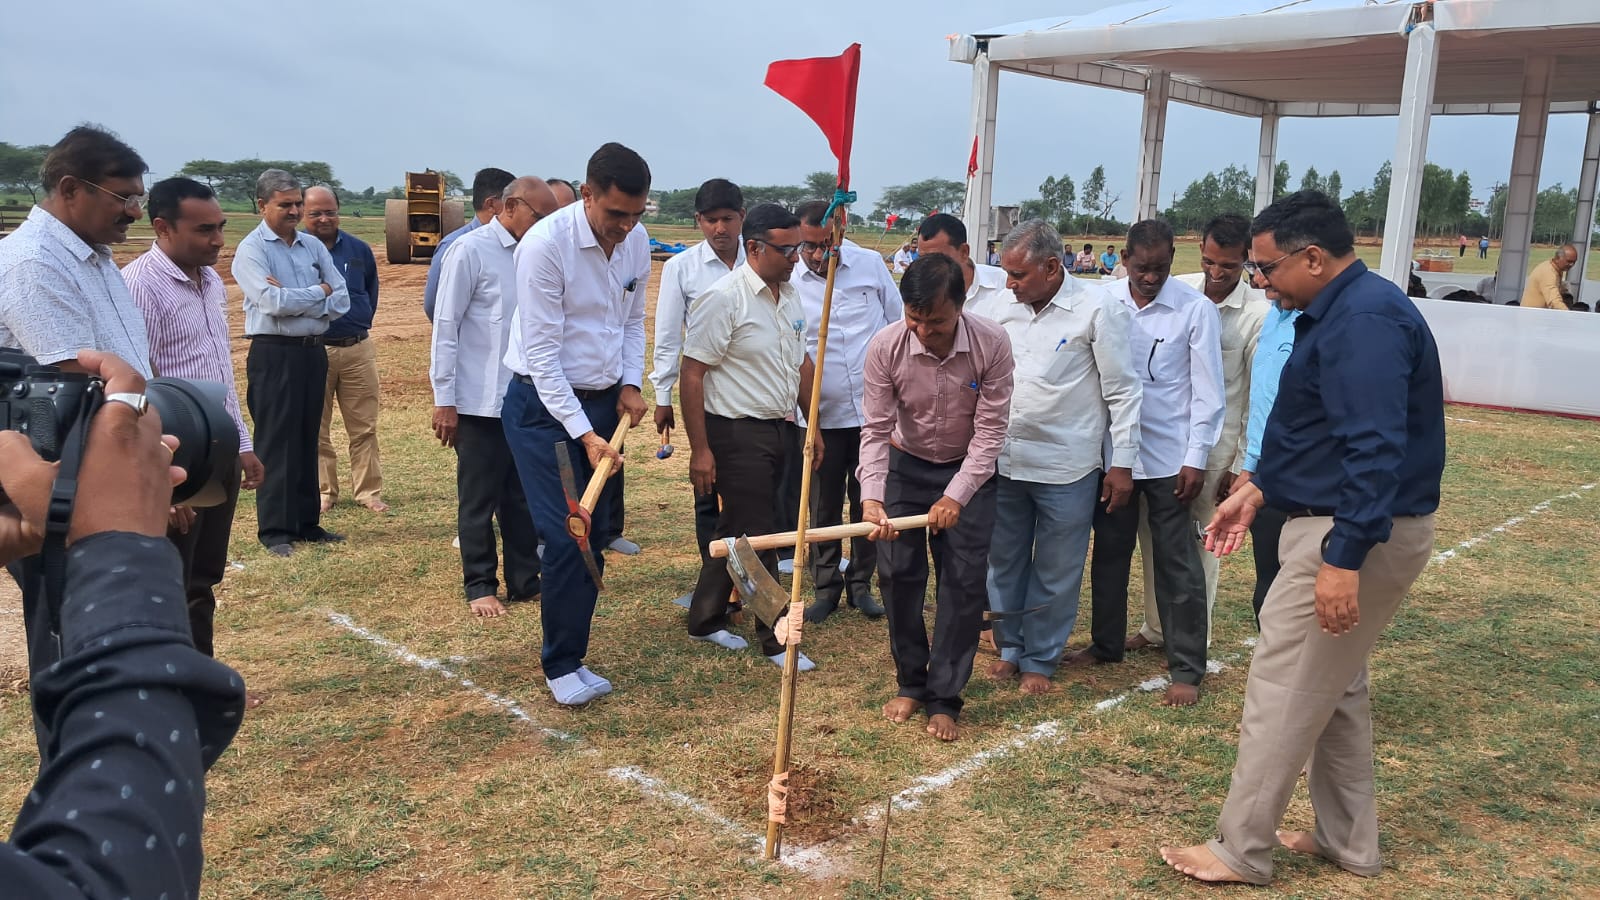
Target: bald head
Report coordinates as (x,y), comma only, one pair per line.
(322,214)
(524,202)
(565,193)
(1566,258)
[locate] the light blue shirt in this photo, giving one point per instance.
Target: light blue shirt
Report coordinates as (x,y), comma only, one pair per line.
(1272,351)
(430,291)
(296,306)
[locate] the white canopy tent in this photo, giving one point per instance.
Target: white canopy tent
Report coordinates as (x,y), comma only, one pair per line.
(1276,58)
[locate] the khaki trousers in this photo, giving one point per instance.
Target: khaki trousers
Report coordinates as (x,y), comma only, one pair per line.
(1202,508)
(1306,703)
(353,382)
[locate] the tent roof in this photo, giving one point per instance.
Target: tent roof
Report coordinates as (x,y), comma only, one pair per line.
(1309,57)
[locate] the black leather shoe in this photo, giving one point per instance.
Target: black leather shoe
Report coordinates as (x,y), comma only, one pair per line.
(869,607)
(281,550)
(820,610)
(328,537)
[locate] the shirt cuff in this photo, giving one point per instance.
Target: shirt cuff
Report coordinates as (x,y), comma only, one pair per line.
(633,376)
(1345,553)
(872,488)
(1252,463)
(663,388)
(1197,457)
(577,424)
(960,489)
(1124,457)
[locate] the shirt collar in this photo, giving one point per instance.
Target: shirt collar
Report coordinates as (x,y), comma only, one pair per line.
(707,254)
(1320,307)
(500,232)
(583,229)
(77,246)
(756,285)
(962,343)
(1068,293)
(270,235)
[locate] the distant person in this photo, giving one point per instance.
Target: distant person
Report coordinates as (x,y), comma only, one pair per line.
(865,300)
(1109,260)
(994,254)
(1353,453)
(1545,288)
(565,193)
(184,302)
(471,330)
(576,354)
(1084,262)
(487,186)
(937,401)
(352,361)
(685,278)
(1483,247)
(292,291)
(1121,270)
(902,258)
(1463,252)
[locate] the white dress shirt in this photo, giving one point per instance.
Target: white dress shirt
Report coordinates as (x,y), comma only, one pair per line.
(473,304)
(753,343)
(579,321)
(684,278)
(1241,314)
(988,283)
(1176,352)
(865,299)
(1074,379)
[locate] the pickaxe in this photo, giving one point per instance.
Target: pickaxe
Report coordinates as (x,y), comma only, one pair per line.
(580,511)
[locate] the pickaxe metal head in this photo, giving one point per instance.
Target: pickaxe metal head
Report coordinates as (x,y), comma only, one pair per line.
(578,520)
(761,592)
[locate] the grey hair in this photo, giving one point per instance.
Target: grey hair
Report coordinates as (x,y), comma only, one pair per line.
(274,181)
(1037,238)
(525,182)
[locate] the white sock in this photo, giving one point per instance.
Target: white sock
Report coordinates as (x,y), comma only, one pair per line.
(600,685)
(569,690)
(724,639)
(806,664)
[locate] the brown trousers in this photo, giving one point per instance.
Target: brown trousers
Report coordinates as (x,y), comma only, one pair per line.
(353,384)
(1306,703)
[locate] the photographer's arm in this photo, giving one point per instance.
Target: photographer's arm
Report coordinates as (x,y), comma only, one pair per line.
(136,713)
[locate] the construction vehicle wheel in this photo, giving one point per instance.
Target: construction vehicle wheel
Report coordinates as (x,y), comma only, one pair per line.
(453,215)
(397,231)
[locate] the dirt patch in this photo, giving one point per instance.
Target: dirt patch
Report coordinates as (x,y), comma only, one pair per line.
(1123,788)
(817,811)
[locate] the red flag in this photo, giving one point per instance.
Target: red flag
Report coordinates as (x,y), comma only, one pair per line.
(890,220)
(972,161)
(824,88)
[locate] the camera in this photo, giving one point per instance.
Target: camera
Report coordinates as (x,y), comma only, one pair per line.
(50,406)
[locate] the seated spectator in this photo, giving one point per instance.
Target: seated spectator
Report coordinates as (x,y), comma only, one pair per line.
(1084,263)
(1109,260)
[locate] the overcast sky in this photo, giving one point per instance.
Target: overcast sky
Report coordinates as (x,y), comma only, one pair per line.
(379,88)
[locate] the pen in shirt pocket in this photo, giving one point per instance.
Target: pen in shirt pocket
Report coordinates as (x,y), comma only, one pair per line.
(972,386)
(1063,343)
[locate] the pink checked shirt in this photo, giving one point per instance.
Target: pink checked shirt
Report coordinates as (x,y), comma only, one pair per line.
(187,326)
(939,410)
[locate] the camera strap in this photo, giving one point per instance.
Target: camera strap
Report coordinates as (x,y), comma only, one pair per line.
(58,516)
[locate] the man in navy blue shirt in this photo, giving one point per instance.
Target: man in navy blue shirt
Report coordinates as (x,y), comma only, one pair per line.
(1353,455)
(352,361)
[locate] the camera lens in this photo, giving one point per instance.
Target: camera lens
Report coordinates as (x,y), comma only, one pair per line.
(208,443)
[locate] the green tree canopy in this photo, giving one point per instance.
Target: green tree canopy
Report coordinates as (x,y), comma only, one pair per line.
(19,168)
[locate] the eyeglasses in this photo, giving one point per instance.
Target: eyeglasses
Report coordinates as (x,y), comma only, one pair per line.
(536,214)
(809,247)
(323,214)
(131,203)
(787,251)
(1265,270)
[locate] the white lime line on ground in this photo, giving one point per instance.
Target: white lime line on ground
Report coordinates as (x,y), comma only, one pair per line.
(807,860)
(1462,421)
(911,797)
(1160,682)
(1514,521)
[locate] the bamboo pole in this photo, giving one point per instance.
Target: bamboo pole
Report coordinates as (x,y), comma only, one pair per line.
(791,651)
(719,549)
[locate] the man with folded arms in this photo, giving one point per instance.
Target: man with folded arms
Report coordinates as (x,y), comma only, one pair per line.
(938,392)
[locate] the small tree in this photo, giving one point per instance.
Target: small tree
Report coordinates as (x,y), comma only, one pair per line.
(19,168)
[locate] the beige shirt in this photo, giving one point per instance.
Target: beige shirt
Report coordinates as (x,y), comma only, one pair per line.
(1242,314)
(1544,288)
(754,344)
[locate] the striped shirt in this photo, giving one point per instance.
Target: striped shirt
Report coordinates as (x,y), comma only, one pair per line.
(187,326)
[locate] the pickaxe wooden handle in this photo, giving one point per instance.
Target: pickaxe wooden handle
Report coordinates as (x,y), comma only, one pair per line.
(719,549)
(597,483)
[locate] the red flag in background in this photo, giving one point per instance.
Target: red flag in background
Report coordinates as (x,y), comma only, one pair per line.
(824,88)
(889,220)
(972,161)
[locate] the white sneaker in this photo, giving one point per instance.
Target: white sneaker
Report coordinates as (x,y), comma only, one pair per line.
(570,690)
(785,567)
(456,542)
(684,601)
(724,639)
(806,664)
(624,546)
(601,686)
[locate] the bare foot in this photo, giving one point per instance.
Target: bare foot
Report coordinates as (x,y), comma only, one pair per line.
(487,607)
(1138,642)
(943,727)
(900,709)
(253,699)
(326,504)
(1002,671)
(986,642)
(1034,683)
(1080,658)
(1300,842)
(1181,695)
(1199,862)
(376,505)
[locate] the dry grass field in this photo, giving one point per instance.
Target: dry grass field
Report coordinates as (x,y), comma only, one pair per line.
(408,751)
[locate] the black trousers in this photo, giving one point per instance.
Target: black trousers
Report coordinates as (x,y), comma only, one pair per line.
(287,384)
(788,483)
(750,456)
(937,675)
(489,489)
(841,452)
(1180,582)
(204,553)
(1264,532)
